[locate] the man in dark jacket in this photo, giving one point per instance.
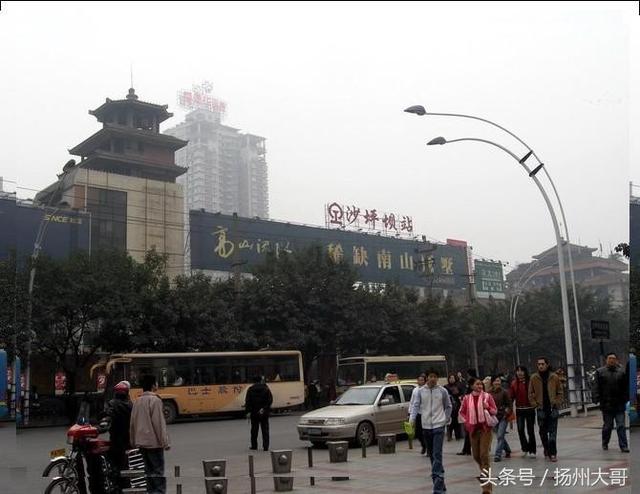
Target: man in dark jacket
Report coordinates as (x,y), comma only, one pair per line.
(546,396)
(118,412)
(611,390)
(258,404)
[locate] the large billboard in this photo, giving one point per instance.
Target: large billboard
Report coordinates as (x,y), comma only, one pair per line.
(64,231)
(219,242)
(489,279)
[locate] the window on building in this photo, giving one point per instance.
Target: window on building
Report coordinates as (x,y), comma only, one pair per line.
(108,210)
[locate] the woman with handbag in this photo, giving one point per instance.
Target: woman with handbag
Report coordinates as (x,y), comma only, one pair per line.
(478,413)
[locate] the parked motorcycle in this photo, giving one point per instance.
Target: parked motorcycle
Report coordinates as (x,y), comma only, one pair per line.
(87,469)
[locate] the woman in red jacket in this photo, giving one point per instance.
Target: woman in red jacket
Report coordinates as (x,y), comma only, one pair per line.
(478,413)
(525,413)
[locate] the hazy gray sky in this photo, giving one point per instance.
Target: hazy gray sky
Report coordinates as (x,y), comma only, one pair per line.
(326,85)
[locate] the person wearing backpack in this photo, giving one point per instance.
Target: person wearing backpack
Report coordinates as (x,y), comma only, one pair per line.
(433,404)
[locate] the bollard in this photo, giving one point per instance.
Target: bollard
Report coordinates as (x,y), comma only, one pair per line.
(217,485)
(214,468)
(176,473)
(338,451)
(281,461)
(386,443)
(252,477)
(312,480)
(364,449)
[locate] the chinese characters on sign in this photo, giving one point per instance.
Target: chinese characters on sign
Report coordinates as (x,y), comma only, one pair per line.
(489,280)
(355,218)
(200,97)
(561,477)
(222,243)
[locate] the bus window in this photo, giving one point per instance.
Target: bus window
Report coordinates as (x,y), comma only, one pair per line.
(221,371)
(350,374)
(285,369)
(181,373)
(238,372)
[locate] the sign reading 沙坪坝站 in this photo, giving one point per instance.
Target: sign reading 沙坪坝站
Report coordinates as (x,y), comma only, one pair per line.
(220,242)
(358,219)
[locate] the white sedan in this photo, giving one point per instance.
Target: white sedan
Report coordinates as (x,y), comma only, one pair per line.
(359,415)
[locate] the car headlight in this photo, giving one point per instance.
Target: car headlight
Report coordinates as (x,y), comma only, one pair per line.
(335,421)
(303,421)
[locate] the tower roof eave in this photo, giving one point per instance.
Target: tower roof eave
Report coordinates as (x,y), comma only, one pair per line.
(159,110)
(91,143)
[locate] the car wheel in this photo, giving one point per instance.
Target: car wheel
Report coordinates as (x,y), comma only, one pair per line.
(169,411)
(365,434)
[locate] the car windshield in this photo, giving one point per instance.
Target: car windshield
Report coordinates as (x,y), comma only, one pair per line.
(359,396)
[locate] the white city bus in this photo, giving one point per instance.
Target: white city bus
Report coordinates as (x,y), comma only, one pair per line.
(353,371)
(209,382)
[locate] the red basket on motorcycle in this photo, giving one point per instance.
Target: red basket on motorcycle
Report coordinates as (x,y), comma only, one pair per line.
(98,446)
(78,432)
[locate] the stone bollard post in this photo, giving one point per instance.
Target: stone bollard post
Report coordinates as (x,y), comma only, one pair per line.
(387,443)
(216,485)
(281,461)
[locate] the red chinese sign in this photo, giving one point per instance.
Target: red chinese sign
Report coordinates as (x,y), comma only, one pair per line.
(199,97)
(355,218)
(60,382)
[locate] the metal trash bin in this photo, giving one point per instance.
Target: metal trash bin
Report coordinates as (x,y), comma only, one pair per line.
(217,485)
(386,443)
(281,461)
(214,468)
(338,451)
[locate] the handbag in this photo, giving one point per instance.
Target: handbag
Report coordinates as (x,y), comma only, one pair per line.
(491,420)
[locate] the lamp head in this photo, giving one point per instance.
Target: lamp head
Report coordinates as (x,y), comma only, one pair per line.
(438,140)
(417,109)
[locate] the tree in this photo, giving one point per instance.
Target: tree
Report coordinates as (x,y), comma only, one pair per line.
(88,302)
(301,300)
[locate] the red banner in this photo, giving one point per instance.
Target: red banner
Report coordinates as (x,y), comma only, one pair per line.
(60,383)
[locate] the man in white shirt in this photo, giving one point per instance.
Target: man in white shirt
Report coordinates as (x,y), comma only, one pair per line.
(434,405)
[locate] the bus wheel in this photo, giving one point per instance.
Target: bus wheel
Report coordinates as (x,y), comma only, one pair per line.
(365,434)
(169,411)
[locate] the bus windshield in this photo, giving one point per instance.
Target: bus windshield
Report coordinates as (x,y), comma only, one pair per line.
(350,374)
(404,370)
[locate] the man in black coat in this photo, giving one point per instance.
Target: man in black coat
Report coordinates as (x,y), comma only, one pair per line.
(611,390)
(258,404)
(118,412)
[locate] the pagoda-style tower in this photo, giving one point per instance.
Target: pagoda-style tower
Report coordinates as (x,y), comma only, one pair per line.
(126,179)
(130,142)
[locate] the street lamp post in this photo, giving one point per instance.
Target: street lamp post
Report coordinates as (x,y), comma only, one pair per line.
(421,111)
(556,229)
(37,247)
(513,309)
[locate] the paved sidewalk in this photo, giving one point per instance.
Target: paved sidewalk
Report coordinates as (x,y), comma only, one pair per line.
(407,472)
